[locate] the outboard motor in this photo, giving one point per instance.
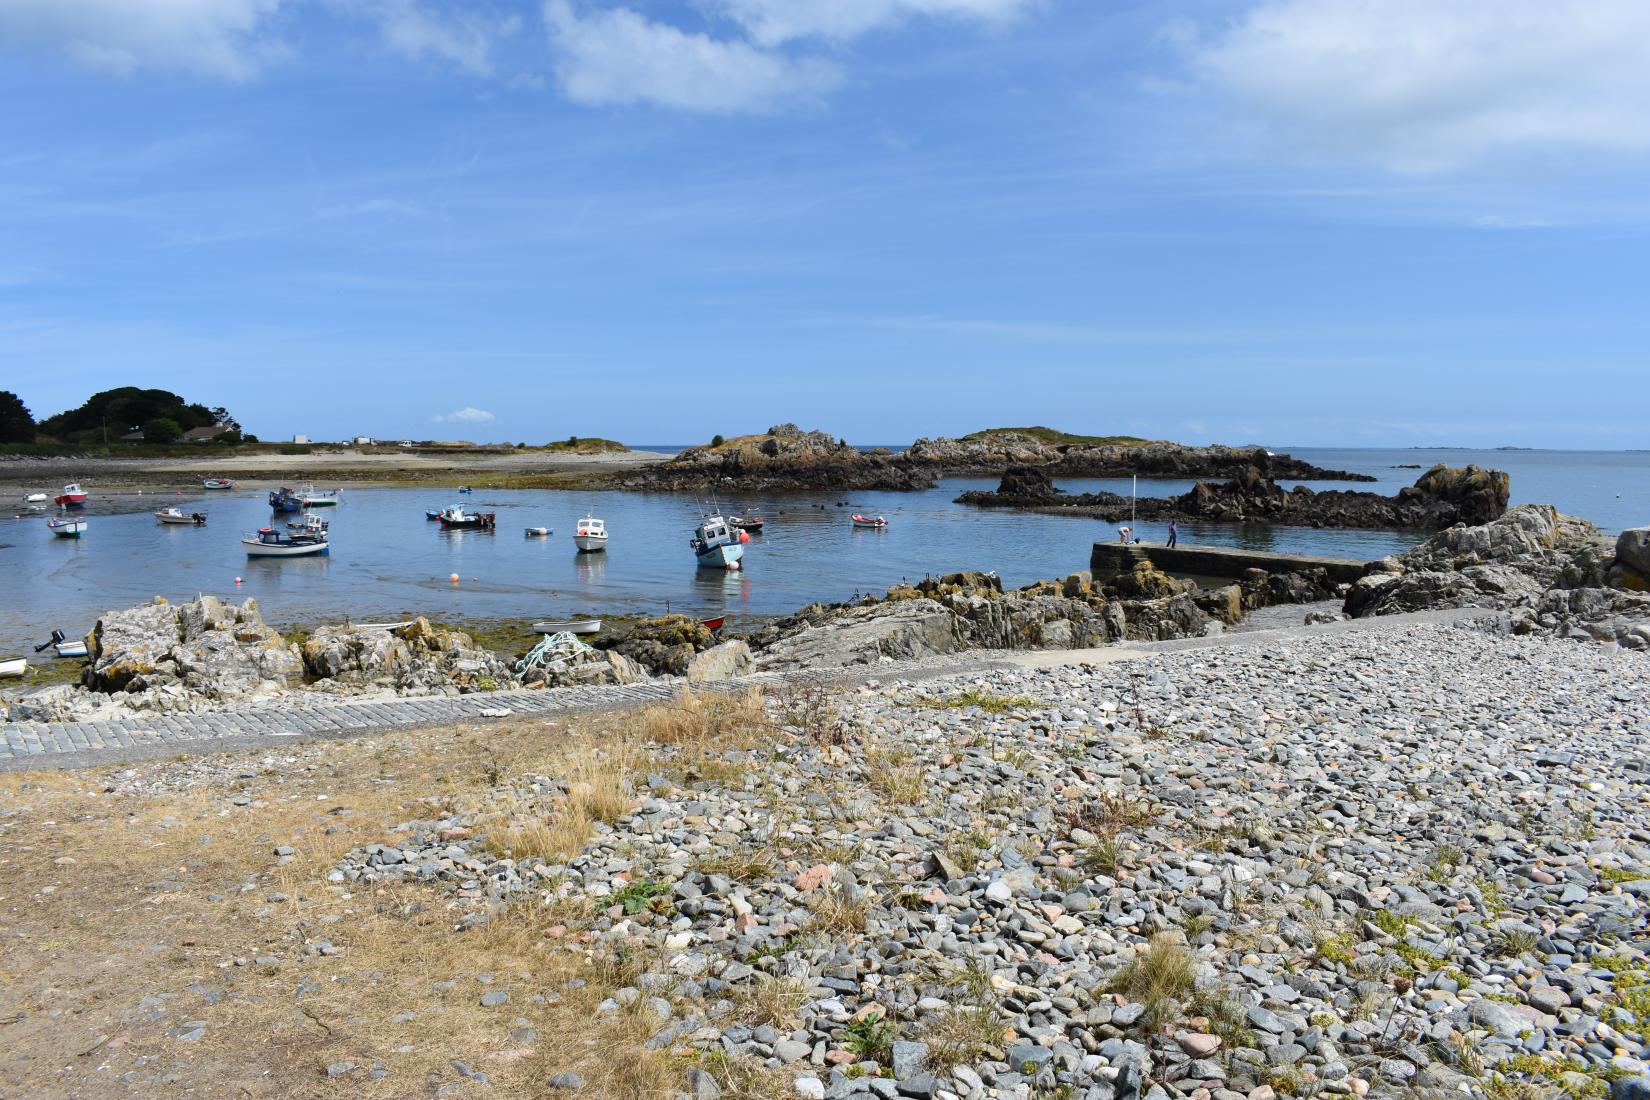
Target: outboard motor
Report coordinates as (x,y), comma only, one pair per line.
(57,636)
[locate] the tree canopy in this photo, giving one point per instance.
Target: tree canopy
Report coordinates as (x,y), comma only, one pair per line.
(119,411)
(16,422)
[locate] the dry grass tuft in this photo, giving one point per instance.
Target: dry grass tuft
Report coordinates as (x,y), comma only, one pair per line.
(1163,978)
(773,999)
(835,910)
(893,776)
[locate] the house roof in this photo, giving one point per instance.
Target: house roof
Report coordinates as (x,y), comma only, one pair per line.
(195,434)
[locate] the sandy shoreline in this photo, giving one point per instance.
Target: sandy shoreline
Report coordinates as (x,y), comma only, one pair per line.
(116,484)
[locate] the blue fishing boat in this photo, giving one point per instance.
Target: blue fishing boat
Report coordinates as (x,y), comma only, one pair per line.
(715,544)
(285,500)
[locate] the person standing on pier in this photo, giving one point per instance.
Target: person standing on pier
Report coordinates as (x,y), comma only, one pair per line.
(1174,534)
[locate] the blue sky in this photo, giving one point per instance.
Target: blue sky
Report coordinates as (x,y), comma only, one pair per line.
(1342,222)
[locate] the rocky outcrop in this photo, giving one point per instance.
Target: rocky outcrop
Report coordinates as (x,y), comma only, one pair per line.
(1441,497)
(206,648)
(414,659)
(994,452)
(785,458)
(1556,574)
(971,610)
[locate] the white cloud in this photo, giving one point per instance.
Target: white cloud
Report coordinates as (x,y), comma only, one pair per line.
(213,37)
(617,56)
(464,38)
(466,415)
(1422,86)
(771,22)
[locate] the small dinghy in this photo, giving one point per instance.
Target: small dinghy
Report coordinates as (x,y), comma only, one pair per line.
(465,489)
(179,518)
(538,532)
(874,522)
(432,513)
(591,535)
(66,528)
(217,483)
(752,524)
(568,626)
(36,498)
(714,624)
(13,667)
(70,649)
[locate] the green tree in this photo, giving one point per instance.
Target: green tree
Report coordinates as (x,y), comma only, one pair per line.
(115,411)
(16,422)
(162,429)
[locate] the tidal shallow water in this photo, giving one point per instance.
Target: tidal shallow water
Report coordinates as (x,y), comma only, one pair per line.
(388,561)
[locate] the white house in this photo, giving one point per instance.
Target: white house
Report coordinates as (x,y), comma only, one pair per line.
(300,439)
(364,441)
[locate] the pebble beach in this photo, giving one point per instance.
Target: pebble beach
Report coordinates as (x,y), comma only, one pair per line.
(1417,857)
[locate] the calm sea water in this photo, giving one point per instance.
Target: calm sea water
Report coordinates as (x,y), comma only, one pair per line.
(388,560)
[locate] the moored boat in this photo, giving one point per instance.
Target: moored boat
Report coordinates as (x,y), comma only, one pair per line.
(217,483)
(714,624)
(35,498)
(270,543)
(285,500)
(715,546)
(66,528)
(568,626)
(178,517)
(538,532)
(877,522)
(70,649)
(72,496)
(309,525)
(311,497)
(747,523)
(13,667)
(590,535)
(457,518)
(432,513)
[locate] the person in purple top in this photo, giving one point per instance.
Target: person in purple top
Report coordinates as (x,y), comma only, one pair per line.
(1174,534)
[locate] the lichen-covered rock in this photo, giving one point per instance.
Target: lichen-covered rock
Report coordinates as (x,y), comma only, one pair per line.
(1147,582)
(665,645)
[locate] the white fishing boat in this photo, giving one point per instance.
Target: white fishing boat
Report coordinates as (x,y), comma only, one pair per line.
(13,667)
(568,626)
(311,497)
(270,543)
(591,535)
(715,544)
(311,524)
(66,528)
(179,518)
